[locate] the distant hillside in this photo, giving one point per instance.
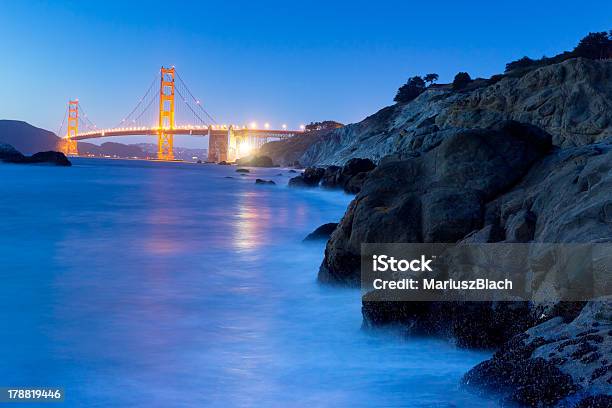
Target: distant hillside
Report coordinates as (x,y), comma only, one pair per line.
(111,149)
(26,138)
(288,152)
(181,153)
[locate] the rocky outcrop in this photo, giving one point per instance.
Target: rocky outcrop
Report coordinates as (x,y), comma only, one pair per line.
(571,100)
(438,196)
(553,360)
(506,184)
(9,154)
(309,178)
(349,177)
(321,233)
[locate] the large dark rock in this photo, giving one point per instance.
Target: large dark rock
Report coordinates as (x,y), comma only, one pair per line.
(322,233)
(471,324)
(8,154)
(438,196)
(349,177)
(309,178)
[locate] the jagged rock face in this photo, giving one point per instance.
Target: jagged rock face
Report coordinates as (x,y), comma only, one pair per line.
(436,197)
(571,100)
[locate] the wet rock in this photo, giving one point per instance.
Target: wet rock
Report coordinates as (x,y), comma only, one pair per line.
(265,182)
(309,178)
(349,177)
(552,360)
(322,233)
(470,324)
(243,171)
(596,401)
(224,163)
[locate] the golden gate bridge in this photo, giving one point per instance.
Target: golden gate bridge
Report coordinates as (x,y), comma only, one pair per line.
(158,107)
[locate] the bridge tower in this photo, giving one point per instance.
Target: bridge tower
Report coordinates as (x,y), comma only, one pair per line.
(70,145)
(165,141)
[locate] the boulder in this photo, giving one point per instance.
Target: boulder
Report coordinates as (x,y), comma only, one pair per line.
(264,182)
(309,178)
(9,154)
(322,233)
(349,177)
(439,196)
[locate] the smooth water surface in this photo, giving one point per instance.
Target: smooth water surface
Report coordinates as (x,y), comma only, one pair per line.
(142,284)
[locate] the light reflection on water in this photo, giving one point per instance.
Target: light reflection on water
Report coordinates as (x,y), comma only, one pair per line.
(149,284)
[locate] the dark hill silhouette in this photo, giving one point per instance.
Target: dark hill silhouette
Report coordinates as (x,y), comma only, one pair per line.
(27,138)
(30,139)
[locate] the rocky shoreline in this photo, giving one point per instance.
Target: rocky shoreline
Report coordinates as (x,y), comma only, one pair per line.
(8,154)
(523,160)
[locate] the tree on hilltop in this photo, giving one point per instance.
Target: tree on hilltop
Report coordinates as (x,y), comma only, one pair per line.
(595,46)
(410,90)
(431,78)
(462,79)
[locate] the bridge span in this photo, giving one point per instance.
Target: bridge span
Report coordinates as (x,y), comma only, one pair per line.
(225,142)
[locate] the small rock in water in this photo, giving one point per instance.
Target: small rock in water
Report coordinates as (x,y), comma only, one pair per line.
(322,233)
(262,181)
(243,171)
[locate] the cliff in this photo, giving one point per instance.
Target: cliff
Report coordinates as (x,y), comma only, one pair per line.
(571,100)
(525,159)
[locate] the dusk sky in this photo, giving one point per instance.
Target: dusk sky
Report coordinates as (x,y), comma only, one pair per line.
(280,62)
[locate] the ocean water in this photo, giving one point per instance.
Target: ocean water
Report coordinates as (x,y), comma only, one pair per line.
(140,284)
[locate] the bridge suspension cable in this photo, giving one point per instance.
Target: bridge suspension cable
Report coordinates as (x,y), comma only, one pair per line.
(149,96)
(59,131)
(85,121)
(195,100)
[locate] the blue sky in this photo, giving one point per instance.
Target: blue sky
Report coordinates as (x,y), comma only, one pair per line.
(280,62)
